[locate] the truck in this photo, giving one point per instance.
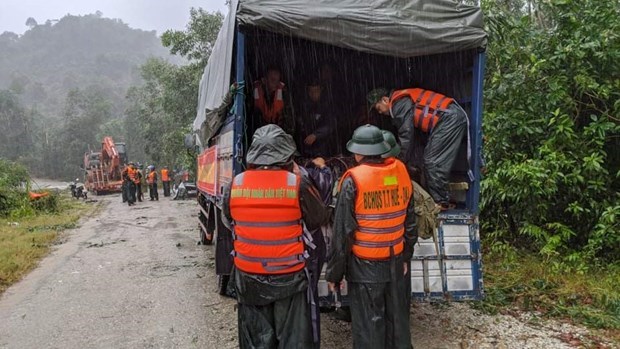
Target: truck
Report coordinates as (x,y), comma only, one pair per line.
(103,168)
(433,44)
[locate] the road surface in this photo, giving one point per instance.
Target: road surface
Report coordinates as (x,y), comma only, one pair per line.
(134,277)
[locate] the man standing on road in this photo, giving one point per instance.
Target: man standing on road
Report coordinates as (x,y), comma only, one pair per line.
(139,180)
(151,180)
(131,184)
(165,180)
(432,113)
(125,185)
(373,242)
(271,209)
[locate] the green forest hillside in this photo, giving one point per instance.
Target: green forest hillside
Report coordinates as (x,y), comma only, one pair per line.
(63,85)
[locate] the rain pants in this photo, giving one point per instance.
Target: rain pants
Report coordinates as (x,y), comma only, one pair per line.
(377,289)
(323,181)
(274,310)
(442,146)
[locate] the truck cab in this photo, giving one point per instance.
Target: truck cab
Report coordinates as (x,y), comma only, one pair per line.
(437,45)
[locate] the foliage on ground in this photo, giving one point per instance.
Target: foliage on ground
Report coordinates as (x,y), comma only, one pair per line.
(14,188)
(523,281)
(26,239)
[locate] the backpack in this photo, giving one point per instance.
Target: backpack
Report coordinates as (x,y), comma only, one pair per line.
(426,212)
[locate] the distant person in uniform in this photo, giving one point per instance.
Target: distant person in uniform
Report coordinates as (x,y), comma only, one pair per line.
(165,180)
(151,180)
(131,184)
(140,179)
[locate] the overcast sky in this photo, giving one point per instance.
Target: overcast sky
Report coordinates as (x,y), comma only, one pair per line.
(142,14)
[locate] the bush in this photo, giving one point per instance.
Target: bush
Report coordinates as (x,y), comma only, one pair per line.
(552,124)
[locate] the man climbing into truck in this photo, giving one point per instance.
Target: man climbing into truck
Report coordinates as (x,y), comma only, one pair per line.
(441,117)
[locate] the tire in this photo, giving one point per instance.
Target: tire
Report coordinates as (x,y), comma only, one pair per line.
(222,284)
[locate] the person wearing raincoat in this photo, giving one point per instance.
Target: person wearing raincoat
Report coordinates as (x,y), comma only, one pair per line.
(271,209)
(322,178)
(374,234)
(151,180)
(432,113)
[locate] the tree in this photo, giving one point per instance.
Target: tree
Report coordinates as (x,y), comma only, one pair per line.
(31,22)
(552,123)
(165,104)
(196,42)
(15,127)
(42,66)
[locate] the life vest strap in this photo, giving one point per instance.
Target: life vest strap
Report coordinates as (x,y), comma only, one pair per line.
(379,244)
(387,230)
(266,242)
(298,258)
(266,224)
(380,217)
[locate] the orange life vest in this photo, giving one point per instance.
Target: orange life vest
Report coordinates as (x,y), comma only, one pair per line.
(152,177)
(268,235)
(426,105)
(271,113)
(133,174)
(164,175)
(383,194)
(138,176)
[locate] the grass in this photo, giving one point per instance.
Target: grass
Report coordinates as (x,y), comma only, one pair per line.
(523,281)
(24,241)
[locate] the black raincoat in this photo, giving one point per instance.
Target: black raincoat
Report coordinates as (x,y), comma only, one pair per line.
(274,310)
(441,149)
(377,289)
(318,119)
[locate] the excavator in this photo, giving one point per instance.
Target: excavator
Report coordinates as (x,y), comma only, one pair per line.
(103,169)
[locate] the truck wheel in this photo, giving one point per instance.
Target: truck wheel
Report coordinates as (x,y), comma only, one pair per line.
(222,284)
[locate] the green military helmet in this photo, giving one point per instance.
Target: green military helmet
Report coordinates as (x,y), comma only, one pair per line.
(373,97)
(391,140)
(368,140)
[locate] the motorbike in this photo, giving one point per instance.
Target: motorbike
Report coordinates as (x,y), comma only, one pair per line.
(77,190)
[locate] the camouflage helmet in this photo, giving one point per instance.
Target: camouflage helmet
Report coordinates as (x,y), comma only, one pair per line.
(391,140)
(368,140)
(373,97)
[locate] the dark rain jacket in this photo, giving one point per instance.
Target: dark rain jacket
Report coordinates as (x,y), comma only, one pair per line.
(318,119)
(402,114)
(262,290)
(343,261)
(442,145)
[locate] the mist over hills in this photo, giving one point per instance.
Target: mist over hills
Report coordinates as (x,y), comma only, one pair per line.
(84,52)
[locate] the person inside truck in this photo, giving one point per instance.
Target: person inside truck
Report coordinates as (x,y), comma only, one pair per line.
(271,102)
(317,125)
(373,238)
(435,114)
(269,274)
